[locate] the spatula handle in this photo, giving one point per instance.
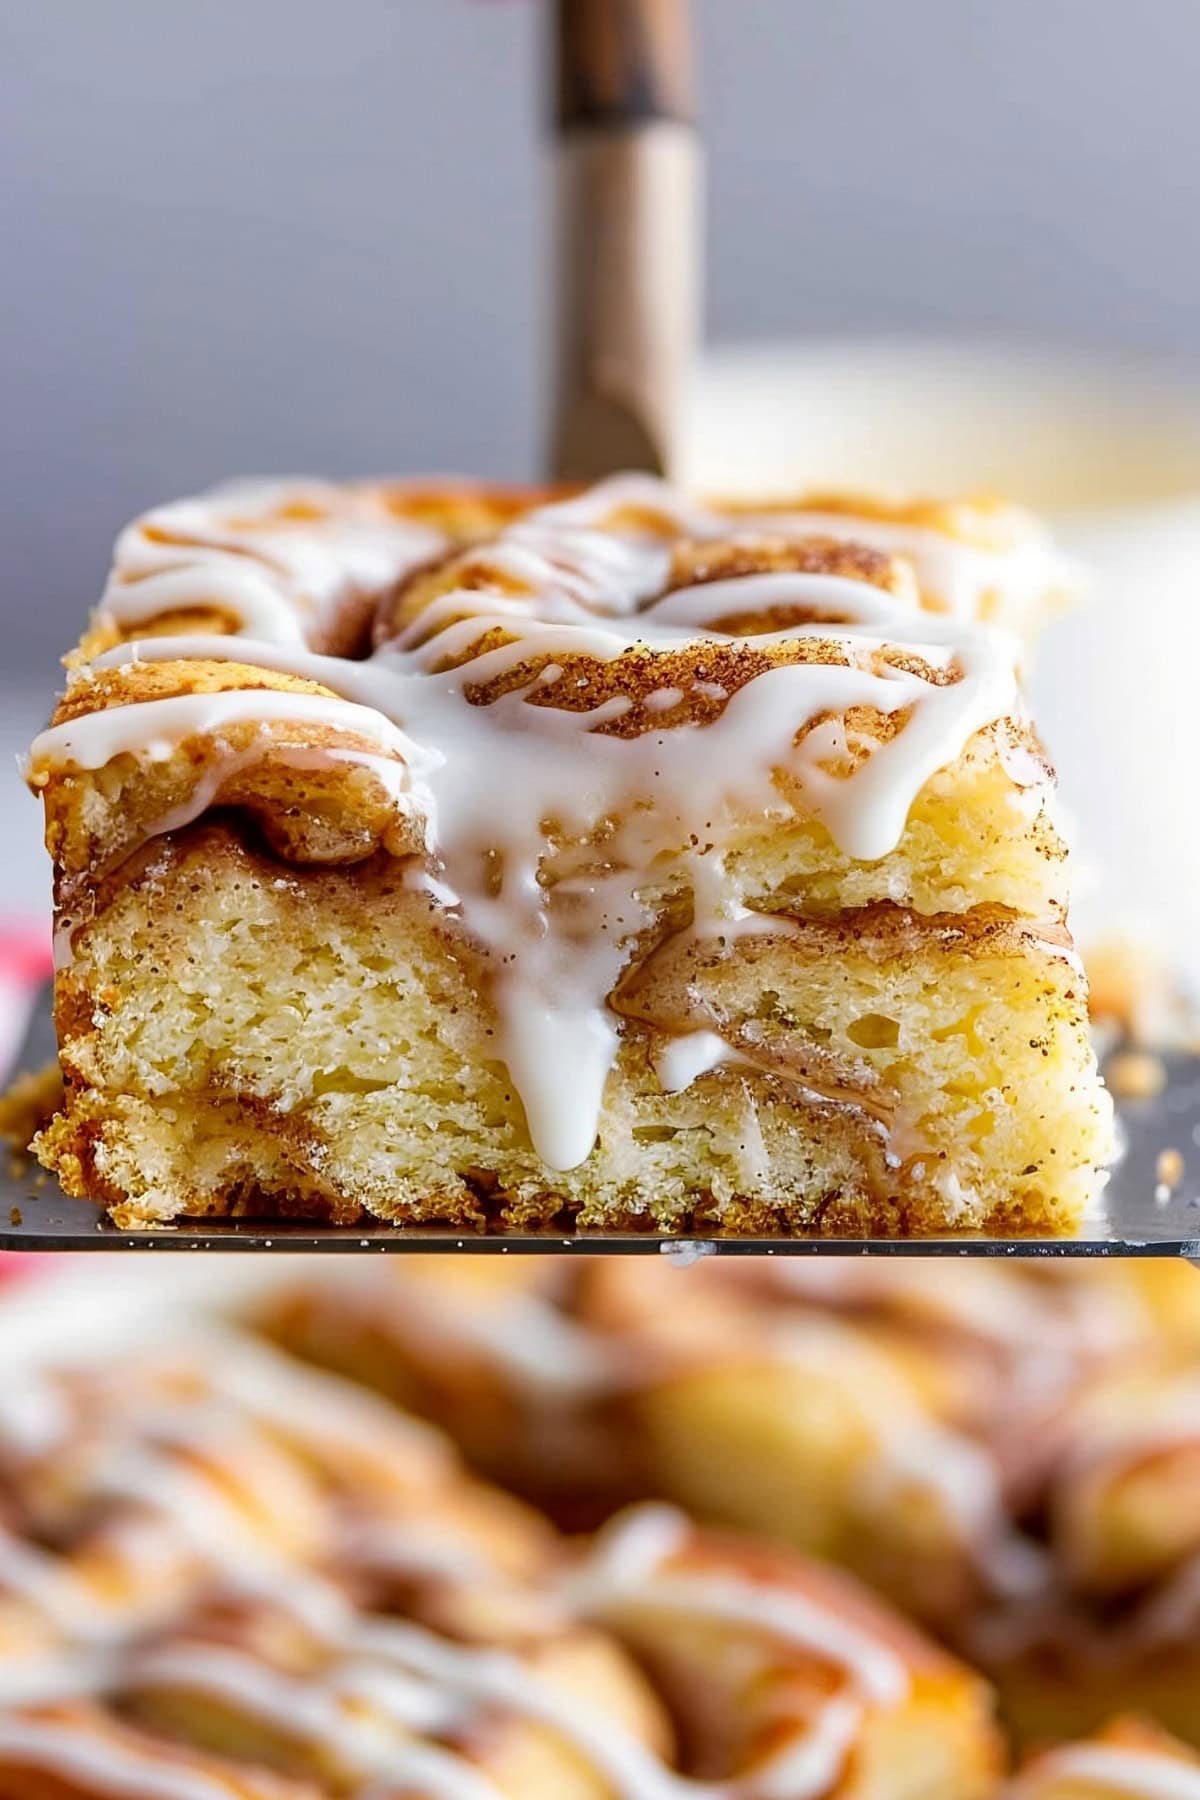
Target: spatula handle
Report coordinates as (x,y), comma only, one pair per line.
(621,63)
(628,230)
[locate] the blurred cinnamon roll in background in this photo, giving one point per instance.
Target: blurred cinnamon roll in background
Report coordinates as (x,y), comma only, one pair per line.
(824,1530)
(228,1576)
(1011,1456)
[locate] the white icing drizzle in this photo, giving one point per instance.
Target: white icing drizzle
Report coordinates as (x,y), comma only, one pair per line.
(1130,1774)
(162,1482)
(813,1762)
(573,567)
(1151,1420)
(541,1351)
(72,1674)
(242,549)
(627,1570)
(159,726)
(911,1449)
(201,1516)
(50,1585)
(327,1713)
(34,1415)
(391,1676)
(1041,1337)
(683,1059)
(150,1508)
(546,1355)
(955,576)
(392,774)
(318,1410)
(958,578)
(423,1548)
(1104,1447)
(412,1679)
(102,1764)
(175,1454)
(555,919)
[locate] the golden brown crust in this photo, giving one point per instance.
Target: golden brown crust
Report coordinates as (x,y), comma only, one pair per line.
(91,838)
(133,683)
(983,520)
(465,508)
(693,563)
(313,803)
(465,511)
(705,676)
(329,814)
(461,510)
(103,633)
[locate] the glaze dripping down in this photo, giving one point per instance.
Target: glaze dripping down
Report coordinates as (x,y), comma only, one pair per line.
(575,737)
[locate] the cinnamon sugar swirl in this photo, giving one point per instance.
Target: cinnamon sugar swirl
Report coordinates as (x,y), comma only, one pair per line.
(600,861)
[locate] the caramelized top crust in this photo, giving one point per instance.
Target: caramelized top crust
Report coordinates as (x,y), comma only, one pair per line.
(984,550)
(135,684)
(982,520)
(290,569)
(692,562)
(770,554)
(300,531)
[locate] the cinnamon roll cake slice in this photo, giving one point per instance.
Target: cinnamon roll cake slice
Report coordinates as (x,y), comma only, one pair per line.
(600,862)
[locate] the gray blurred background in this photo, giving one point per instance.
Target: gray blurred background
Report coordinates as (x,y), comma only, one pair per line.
(294,234)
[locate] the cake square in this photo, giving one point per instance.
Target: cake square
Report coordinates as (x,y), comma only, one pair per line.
(600,861)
